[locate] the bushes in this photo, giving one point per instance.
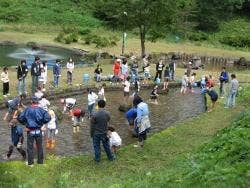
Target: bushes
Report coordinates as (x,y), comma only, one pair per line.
(100,41)
(236,41)
(197,36)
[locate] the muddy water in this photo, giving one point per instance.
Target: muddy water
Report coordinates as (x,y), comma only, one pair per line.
(172,107)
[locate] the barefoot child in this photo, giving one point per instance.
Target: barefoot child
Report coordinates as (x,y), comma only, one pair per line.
(126,89)
(114,139)
(184,82)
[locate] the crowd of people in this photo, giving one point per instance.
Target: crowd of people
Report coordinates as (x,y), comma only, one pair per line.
(41,121)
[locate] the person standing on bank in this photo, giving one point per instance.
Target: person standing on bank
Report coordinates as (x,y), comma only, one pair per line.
(234,85)
(5,80)
(22,72)
(56,72)
(98,131)
(35,73)
(70,69)
(34,117)
(159,69)
(223,80)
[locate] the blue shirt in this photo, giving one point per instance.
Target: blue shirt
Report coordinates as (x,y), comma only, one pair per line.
(57,69)
(131,114)
(34,117)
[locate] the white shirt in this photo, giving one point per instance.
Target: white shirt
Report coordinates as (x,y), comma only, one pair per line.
(115,139)
(126,86)
(5,77)
(52,123)
(41,77)
(44,104)
(70,101)
(70,66)
(92,98)
(101,94)
(38,94)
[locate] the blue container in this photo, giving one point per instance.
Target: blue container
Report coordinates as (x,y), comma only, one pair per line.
(158,81)
(85,78)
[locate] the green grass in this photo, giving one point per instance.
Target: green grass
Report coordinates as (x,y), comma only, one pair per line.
(163,162)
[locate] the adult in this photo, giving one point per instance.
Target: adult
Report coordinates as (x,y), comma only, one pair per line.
(99,129)
(117,69)
(57,72)
(34,117)
(159,69)
(70,69)
(234,85)
(45,68)
(223,80)
(134,70)
(172,67)
(92,97)
(35,73)
(124,70)
(142,120)
(98,72)
(22,71)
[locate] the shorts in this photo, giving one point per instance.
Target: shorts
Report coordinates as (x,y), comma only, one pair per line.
(166,79)
(126,94)
(153,97)
(77,121)
(214,99)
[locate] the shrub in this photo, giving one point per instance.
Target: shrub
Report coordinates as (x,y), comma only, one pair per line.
(59,37)
(236,41)
(84,31)
(198,36)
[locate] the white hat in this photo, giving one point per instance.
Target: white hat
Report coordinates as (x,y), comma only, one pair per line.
(190,63)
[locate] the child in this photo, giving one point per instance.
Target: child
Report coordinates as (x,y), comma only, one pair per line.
(184,82)
(16,139)
(131,115)
(44,103)
(13,106)
(154,95)
(92,97)
(52,130)
(39,93)
(101,92)
(126,89)
(69,104)
(166,78)
(5,80)
(213,96)
(77,116)
(146,73)
(114,139)
(41,79)
(191,82)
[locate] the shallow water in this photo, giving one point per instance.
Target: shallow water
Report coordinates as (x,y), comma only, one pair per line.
(172,107)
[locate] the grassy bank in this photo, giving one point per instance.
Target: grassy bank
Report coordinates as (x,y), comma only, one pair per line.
(242,76)
(164,162)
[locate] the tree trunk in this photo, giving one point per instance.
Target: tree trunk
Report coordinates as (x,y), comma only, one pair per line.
(142,37)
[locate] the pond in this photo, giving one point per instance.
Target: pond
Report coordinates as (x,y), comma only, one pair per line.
(172,107)
(10,55)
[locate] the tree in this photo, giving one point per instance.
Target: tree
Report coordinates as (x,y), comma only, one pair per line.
(153,17)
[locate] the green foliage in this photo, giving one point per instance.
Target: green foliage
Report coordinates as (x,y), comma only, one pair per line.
(100,41)
(236,41)
(197,36)
(60,37)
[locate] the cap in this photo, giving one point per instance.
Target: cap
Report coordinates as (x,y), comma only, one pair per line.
(35,99)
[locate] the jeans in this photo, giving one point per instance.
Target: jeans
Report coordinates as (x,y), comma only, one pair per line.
(172,74)
(34,83)
(21,86)
(97,139)
(231,99)
(134,74)
(98,77)
(56,80)
(39,144)
(90,109)
(222,88)
(69,77)
(20,150)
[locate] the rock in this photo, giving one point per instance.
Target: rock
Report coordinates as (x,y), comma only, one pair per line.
(124,107)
